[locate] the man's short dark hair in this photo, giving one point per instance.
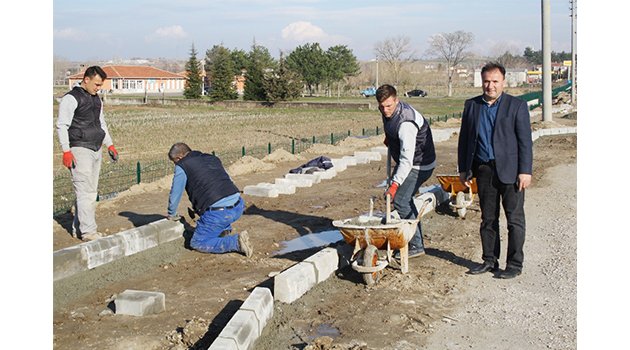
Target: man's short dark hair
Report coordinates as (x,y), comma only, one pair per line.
(94,70)
(179,149)
(492,66)
(384,92)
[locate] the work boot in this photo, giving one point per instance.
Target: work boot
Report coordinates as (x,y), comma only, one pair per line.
(90,236)
(243,243)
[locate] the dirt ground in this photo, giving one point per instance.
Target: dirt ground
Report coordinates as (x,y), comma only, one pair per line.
(203,291)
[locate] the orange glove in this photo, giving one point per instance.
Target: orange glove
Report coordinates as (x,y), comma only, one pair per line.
(113,154)
(68,159)
(392,190)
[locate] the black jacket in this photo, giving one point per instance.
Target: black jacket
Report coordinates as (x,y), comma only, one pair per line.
(85,129)
(511,138)
(207,180)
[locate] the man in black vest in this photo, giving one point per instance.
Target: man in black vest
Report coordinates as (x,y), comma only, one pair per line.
(214,198)
(410,143)
(82,132)
(495,146)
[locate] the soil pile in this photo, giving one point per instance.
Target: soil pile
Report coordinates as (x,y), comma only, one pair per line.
(247,165)
(280,155)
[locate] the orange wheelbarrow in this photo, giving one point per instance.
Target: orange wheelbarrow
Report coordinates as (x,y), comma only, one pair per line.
(461,196)
(369,234)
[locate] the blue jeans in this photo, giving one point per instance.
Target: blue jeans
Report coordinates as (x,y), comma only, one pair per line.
(404,205)
(210,225)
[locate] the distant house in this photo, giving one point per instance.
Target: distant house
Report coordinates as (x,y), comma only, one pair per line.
(513,77)
(137,79)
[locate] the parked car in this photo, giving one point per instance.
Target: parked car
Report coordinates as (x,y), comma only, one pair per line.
(416,93)
(369,92)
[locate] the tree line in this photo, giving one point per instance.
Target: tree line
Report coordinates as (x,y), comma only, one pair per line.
(268,79)
(308,67)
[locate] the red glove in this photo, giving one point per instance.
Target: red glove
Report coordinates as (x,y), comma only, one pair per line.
(68,159)
(386,142)
(392,190)
(113,154)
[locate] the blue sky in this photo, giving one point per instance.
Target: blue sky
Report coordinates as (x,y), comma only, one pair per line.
(89,30)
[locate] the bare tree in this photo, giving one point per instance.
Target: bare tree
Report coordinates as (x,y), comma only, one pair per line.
(395,52)
(452,48)
(508,55)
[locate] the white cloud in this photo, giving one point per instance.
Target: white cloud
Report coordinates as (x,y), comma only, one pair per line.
(303,31)
(69,34)
(175,31)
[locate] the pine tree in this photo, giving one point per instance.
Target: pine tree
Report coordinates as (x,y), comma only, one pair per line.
(193,86)
(222,74)
(259,61)
(282,84)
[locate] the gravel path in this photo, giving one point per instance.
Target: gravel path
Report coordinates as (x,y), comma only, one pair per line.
(537,310)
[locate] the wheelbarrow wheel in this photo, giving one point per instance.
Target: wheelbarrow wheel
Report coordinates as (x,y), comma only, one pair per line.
(460,203)
(370,259)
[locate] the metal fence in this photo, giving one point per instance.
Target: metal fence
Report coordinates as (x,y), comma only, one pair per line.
(120,176)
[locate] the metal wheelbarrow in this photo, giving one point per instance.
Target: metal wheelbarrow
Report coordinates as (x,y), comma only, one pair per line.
(461,195)
(369,234)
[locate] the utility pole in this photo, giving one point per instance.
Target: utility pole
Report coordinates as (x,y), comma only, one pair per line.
(573,50)
(546,49)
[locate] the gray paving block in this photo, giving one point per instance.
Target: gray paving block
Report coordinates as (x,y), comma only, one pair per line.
(327,174)
(370,155)
(242,328)
(313,177)
(294,182)
(292,283)
(104,250)
(362,159)
(325,263)
(138,239)
(281,188)
(380,149)
(339,164)
(139,303)
(168,230)
(260,301)
(535,135)
(68,261)
(223,344)
(254,190)
(350,160)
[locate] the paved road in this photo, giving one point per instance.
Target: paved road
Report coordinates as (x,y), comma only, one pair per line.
(537,310)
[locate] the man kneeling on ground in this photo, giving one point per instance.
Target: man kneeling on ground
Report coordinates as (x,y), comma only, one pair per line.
(215,198)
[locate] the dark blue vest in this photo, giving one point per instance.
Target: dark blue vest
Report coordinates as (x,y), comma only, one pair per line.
(85,129)
(207,180)
(425,150)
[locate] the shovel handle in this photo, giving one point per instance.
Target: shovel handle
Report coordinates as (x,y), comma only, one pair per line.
(388,207)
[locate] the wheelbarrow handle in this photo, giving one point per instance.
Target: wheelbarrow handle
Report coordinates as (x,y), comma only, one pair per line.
(421,212)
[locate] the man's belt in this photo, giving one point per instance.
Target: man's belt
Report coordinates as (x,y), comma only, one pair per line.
(228,207)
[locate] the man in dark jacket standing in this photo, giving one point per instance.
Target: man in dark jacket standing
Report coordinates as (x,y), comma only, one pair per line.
(214,197)
(82,132)
(495,146)
(410,144)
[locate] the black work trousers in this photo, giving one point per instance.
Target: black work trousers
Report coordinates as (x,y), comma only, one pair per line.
(491,192)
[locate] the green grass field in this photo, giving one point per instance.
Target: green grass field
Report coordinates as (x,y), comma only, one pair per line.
(145,133)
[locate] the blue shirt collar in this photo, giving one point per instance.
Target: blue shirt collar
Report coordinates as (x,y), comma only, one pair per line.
(496,103)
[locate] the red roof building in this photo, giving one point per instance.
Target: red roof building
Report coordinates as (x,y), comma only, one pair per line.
(137,79)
